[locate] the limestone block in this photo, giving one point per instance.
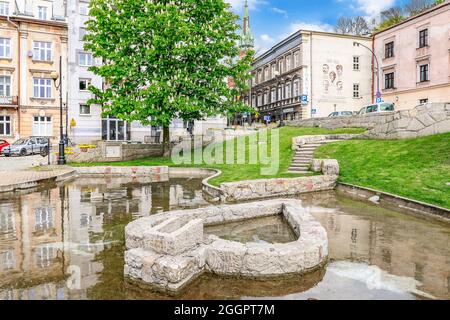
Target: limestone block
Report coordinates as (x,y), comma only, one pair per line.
(415,125)
(175,269)
(225,257)
(330,167)
(174,236)
(425,118)
(316,165)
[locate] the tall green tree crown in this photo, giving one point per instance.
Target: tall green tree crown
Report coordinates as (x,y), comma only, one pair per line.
(166,59)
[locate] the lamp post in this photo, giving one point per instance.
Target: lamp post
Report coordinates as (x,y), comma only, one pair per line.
(277,76)
(55,76)
(357,44)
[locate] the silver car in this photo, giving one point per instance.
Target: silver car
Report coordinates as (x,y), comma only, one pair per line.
(29,146)
(378,108)
(341,114)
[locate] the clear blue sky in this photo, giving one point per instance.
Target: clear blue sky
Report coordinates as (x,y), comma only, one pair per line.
(273,20)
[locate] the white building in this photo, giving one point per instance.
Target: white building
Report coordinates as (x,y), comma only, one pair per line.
(86,123)
(327,70)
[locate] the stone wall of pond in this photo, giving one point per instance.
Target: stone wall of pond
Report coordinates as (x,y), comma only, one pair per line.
(113,152)
(424,120)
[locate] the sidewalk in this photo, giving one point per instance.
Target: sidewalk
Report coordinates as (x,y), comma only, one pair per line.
(12,180)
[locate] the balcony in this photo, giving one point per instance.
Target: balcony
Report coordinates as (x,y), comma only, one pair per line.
(279,104)
(9,101)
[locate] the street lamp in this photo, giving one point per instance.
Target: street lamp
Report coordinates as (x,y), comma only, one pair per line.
(277,76)
(357,44)
(55,76)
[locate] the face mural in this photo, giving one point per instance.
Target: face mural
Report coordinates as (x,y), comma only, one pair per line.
(333,79)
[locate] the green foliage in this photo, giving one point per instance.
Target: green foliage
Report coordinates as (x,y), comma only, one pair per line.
(388,23)
(418,168)
(237,172)
(166,59)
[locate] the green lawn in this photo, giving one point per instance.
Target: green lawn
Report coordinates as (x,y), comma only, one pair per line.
(236,172)
(417,169)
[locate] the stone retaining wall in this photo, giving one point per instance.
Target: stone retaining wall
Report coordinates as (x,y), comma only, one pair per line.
(154,172)
(298,142)
(424,120)
(114,151)
(169,250)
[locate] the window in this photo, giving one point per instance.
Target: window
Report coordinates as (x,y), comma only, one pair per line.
(85,59)
(280,66)
(423,101)
(42,13)
(423,38)
(389,50)
(42,126)
(5,86)
(296,89)
(5,125)
(259,100)
(84,84)
(42,51)
(296,59)
(424,73)
(356,90)
(4,8)
(5,48)
(356,63)
(42,88)
(266,73)
(83,8)
(43,219)
(274,96)
(389,81)
(288,63)
(85,109)
(288,91)
(83,32)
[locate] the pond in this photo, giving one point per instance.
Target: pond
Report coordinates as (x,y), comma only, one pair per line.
(67,242)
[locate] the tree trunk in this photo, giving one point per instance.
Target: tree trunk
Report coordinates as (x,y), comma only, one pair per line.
(166,142)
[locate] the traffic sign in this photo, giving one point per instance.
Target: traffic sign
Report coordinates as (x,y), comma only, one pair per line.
(378,94)
(304,99)
(379,100)
(313,111)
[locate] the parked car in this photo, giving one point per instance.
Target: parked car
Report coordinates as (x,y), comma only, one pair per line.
(3,144)
(29,146)
(341,114)
(378,108)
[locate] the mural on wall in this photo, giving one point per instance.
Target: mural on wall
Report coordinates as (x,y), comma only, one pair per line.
(333,79)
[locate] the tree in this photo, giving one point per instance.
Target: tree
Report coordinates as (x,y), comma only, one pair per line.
(414,7)
(166,59)
(352,25)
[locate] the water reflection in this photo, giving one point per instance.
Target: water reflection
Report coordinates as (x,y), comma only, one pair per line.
(52,237)
(67,242)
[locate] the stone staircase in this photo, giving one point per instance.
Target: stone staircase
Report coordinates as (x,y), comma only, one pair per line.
(303,157)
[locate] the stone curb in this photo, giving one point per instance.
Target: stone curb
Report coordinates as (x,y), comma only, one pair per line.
(59,177)
(405,205)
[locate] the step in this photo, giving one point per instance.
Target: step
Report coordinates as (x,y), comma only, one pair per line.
(297,171)
(303,165)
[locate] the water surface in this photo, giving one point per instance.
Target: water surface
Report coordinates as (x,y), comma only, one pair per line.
(67,242)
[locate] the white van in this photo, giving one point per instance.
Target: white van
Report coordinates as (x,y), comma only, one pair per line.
(378,108)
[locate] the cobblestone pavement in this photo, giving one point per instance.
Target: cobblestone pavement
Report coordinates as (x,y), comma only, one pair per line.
(21,163)
(8,178)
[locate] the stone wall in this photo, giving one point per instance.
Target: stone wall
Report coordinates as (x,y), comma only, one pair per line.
(169,250)
(424,120)
(113,152)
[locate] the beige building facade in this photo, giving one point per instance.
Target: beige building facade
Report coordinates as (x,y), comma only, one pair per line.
(312,74)
(31,44)
(414,59)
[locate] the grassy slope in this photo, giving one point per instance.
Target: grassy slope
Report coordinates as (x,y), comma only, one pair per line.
(417,169)
(236,172)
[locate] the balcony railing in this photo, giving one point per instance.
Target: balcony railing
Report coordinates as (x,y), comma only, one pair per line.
(278,104)
(9,100)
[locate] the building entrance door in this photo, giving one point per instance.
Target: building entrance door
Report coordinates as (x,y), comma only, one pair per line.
(114,129)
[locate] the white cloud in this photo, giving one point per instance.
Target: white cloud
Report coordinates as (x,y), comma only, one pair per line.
(296,26)
(370,8)
(280,11)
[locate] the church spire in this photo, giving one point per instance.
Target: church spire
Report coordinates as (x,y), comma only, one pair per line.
(247,41)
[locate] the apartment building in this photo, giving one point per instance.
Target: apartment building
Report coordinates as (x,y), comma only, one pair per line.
(33,37)
(312,74)
(414,59)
